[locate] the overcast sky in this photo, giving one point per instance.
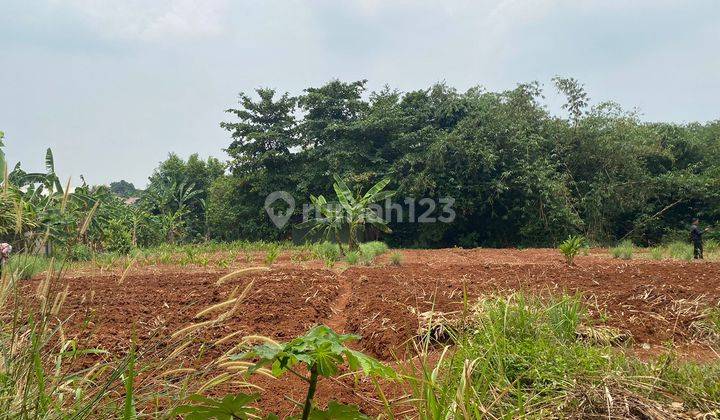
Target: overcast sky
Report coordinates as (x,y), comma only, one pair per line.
(113,86)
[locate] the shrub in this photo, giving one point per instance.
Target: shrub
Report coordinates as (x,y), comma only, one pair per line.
(80,252)
(571,247)
(623,251)
(396,258)
(352,257)
(117,237)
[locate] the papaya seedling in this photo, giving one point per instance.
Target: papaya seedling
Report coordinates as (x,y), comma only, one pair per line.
(322,351)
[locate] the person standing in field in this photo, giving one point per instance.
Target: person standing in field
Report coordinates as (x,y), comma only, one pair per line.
(696,238)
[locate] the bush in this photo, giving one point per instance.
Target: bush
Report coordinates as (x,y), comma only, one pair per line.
(623,251)
(117,237)
(571,247)
(80,252)
(396,258)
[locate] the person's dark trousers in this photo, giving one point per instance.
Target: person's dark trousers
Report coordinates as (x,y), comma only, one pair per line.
(698,250)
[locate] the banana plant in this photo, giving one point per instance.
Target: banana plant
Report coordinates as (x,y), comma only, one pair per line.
(330,222)
(354,211)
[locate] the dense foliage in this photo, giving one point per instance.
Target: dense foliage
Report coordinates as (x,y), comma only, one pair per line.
(519,175)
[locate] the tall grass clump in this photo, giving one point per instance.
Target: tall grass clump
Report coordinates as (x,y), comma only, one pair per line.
(373,249)
(396,258)
(711,246)
(656,253)
(680,250)
(352,257)
(326,251)
(27,266)
(517,357)
(623,251)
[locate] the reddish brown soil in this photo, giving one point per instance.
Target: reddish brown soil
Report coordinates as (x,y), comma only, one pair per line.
(655,302)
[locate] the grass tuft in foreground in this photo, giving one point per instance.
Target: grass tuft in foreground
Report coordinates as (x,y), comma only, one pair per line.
(523,357)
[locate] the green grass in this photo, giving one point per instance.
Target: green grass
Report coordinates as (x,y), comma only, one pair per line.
(24,266)
(352,257)
(623,251)
(680,250)
(327,251)
(656,253)
(272,255)
(522,357)
(711,246)
(373,249)
(396,258)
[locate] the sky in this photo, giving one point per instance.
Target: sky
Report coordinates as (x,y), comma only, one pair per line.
(114,86)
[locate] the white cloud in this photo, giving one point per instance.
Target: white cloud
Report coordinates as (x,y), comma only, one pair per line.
(156,20)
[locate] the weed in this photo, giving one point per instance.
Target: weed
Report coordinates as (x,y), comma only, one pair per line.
(656,253)
(272,255)
(623,251)
(373,249)
(711,245)
(26,266)
(531,358)
(396,258)
(352,257)
(326,251)
(680,250)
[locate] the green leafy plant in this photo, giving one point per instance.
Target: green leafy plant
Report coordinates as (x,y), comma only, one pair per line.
(571,247)
(117,238)
(322,351)
(353,211)
(230,407)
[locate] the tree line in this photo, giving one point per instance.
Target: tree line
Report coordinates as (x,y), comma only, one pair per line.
(518,174)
